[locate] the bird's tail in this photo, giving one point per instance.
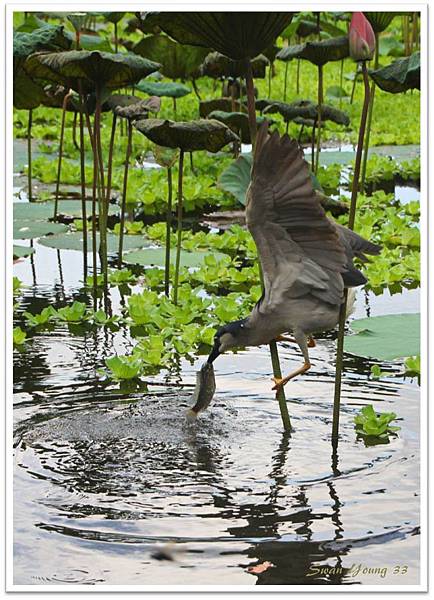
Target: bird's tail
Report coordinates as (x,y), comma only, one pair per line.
(351,301)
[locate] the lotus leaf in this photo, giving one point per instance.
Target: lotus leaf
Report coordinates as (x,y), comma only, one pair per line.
(188,136)
(29,229)
(237,121)
(160,88)
(178,61)
(237,35)
(307,110)
(40,211)
(74,241)
(402,75)
(379,20)
(91,69)
(386,337)
(335,91)
(157,257)
(22,251)
(218,65)
(236,178)
(223,104)
(318,53)
(138,110)
(92,42)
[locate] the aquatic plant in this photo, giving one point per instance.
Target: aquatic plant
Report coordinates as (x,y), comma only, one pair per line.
(74,313)
(45,316)
(368,423)
(19,336)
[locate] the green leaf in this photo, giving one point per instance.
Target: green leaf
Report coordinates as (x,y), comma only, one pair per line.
(29,229)
(318,53)
(19,336)
(41,211)
(74,241)
(235,179)
(386,337)
(157,256)
(22,251)
(217,66)
(124,367)
(47,314)
(74,313)
(166,88)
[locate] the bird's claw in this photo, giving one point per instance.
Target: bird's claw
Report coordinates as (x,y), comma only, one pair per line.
(278,383)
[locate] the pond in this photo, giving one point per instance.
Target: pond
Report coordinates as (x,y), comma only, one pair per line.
(113,486)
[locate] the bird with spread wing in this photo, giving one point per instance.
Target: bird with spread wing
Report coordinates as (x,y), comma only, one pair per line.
(306,258)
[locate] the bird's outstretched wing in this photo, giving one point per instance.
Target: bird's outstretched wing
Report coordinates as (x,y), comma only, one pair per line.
(299,247)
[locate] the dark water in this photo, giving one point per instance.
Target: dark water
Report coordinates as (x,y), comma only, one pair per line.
(113,486)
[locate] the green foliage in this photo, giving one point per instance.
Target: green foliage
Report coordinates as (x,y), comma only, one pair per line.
(412,366)
(371,424)
(17,285)
(75,313)
(124,367)
(45,316)
(19,336)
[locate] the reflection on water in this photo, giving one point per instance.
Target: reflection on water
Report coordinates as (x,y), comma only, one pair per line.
(113,486)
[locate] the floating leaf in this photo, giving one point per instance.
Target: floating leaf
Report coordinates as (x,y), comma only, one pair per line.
(157,256)
(386,337)
(40,211)
(124,367)
(160,88)
(29,229)
(402,75)
(22,251)
(189,135)
(74,241)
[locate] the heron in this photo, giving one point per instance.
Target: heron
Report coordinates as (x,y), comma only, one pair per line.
(306,258)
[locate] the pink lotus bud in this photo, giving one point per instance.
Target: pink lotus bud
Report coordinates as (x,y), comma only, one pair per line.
(361,38)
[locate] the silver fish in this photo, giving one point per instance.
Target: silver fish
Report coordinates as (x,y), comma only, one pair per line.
(204,390)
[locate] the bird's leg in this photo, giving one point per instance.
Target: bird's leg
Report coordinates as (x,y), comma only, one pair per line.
(302,341)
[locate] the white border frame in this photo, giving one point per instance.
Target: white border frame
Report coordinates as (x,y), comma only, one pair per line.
(222,6)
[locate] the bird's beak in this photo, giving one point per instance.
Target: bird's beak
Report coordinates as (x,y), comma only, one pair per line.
(214,352)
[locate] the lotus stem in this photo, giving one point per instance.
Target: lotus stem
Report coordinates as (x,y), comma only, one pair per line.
(369,121)
(354,84)
(74,131)
(270,73)
(94,186)
(83,188)
(196,89)
(251,101)
(174,108)
(116,37)
(59,162)
(341,79)
(124,192)
(320,103)
(193,170)
(312,152)
(110,167)
(29,155)
(300,133)
(285,81)
(351,219)
(179,239)
(168,231)
(101,195)
(280,394)
(298,77)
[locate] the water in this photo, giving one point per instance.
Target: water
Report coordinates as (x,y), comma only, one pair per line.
(113,486)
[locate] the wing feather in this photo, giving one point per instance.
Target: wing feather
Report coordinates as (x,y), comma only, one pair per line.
(299,247)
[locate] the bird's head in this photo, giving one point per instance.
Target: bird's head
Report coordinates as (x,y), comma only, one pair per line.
(229,336)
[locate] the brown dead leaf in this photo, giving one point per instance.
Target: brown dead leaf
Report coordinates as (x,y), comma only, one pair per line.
(257,569)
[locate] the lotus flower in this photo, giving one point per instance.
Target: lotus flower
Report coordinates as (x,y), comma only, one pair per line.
(361,38)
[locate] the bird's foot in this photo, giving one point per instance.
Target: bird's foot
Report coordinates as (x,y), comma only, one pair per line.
(279,383)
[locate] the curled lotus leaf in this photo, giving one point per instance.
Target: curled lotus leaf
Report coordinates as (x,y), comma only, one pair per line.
(237,121)
(188,136)
(379,20)
(217,65)
(138,110)
(401,75)
(318,53)
(90,69)
(178,61)
(165,157)
(238,35)
(114,17)
(224,104)
(306,109)
(170,89)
